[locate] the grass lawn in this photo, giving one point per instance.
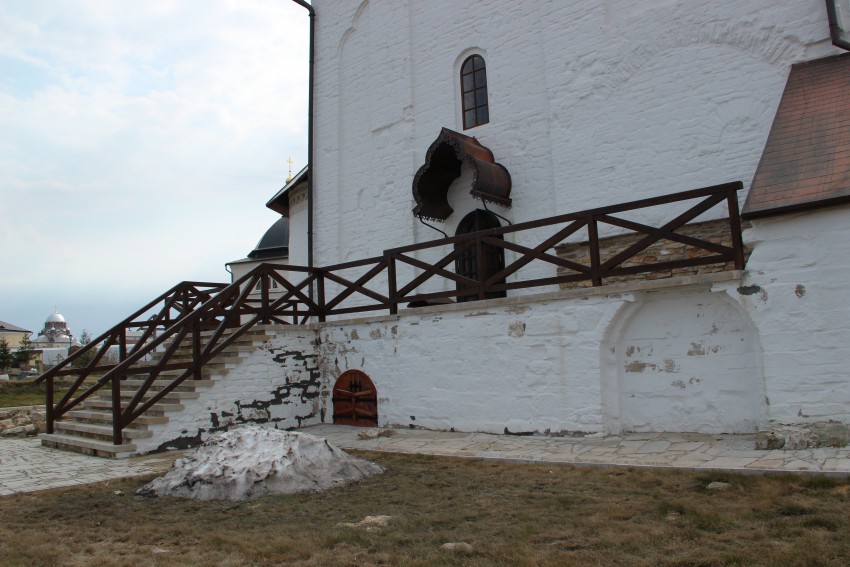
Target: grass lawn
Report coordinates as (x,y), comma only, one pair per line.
(27,393)
(510,514)
(21,393)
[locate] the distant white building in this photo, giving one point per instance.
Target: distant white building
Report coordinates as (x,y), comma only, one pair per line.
(55,334)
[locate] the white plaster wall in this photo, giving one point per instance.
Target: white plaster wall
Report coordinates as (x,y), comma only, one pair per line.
(278,385)
(529,367)
(796,292)
(591,102)
(298,227)
(563,365)
(683,361)
(718,354)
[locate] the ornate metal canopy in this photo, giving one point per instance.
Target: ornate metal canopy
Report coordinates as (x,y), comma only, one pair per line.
(490,182)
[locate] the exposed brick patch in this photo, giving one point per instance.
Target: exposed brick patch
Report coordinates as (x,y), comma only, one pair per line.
(716,231)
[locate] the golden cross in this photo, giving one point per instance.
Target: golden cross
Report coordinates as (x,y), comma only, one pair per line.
(289,177)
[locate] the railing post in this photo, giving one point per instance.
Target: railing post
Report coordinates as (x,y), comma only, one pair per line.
(481,268)
(117,437)
(320,295)
(264,296)
(735,228)
(392,285)
(117,426)
(593,243)
(196,350)
(122,345)
(48,406)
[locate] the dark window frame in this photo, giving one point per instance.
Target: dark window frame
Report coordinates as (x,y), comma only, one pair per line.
(473,92)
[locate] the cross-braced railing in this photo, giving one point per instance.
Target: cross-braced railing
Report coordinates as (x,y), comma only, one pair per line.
(561,270)
(198,321)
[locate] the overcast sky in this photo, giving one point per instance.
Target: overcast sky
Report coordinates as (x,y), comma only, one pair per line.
(139,142)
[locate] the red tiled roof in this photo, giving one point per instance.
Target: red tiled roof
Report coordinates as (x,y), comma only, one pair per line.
(806,161)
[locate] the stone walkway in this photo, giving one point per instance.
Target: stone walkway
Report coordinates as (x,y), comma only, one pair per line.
(27,466)
(683,451)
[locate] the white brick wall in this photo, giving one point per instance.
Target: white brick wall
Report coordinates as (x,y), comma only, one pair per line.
(277,385)
(715,353)
(592,102)
(797,294)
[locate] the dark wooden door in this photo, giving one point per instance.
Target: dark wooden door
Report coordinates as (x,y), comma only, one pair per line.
(467,263)
(355,400)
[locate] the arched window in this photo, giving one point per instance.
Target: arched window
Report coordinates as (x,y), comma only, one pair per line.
(473,88)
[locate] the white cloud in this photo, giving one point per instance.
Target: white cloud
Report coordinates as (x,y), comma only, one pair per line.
(140,140)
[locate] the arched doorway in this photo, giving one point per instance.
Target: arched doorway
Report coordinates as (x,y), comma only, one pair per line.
(467,264)
(685,361)
(355,400)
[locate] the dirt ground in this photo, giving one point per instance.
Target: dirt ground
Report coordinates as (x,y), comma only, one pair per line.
(508,514)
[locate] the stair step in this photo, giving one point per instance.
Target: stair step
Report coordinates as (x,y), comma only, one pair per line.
(87,446)
(187,385)
(94,416)
(99,431)
(173,395)
(88,428)
(157,409)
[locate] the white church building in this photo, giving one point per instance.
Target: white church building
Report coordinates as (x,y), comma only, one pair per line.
(665,192)
(585,105)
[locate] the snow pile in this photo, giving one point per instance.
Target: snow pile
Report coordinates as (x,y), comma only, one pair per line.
(251,462)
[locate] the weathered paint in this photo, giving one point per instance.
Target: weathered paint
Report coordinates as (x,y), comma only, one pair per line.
(279,384)
(688,362)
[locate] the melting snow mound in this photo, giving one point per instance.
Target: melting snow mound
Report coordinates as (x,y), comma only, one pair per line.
(251,462)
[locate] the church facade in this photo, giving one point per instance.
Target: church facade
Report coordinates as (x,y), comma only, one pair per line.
(584,105)
(445,119)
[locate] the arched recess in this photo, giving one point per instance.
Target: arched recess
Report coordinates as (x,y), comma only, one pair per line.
(683,362)
(355,400)
(493,257)
(491,182)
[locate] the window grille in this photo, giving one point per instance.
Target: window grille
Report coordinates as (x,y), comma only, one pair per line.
(473,87)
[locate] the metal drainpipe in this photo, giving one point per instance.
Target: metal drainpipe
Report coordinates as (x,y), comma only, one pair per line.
(310,164)
(834,28)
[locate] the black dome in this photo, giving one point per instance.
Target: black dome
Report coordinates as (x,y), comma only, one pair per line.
(274,243)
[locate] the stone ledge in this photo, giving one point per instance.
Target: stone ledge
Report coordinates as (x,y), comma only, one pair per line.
(610,290)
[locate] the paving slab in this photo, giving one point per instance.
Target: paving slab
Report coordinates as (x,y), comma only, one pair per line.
(25,465)
(684,451)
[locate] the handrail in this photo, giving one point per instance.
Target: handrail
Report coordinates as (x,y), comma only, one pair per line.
(200,320)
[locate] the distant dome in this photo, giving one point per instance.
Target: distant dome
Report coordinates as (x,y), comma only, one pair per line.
(274,243)
(55,318)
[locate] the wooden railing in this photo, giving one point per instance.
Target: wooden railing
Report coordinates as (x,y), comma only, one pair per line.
(201,320)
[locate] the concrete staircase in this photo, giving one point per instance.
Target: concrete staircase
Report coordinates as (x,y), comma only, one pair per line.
(88,428)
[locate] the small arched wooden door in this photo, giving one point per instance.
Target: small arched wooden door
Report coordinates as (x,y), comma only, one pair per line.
(469,265)
(355,400)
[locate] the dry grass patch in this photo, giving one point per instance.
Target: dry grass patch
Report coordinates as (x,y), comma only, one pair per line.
(510,514)
(26,392)
(16,393)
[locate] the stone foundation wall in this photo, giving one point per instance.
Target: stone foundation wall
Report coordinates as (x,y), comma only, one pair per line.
(715,231)
(21,421)
(277,385)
